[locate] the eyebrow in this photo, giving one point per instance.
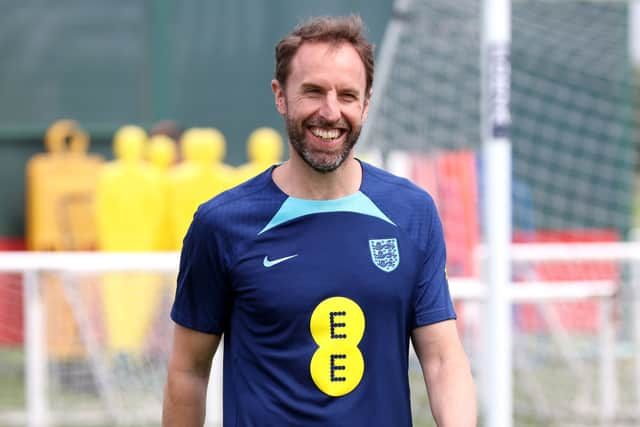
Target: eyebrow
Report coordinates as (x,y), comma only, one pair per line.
(309,86)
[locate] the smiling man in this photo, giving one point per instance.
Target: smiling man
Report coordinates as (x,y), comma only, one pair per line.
(323,114)
(319,272)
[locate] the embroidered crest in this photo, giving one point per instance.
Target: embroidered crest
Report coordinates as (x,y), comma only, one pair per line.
(385,254)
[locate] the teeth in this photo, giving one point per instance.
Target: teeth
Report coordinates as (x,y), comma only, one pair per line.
(326,133)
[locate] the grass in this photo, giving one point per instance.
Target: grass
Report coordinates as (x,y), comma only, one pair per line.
(11,379)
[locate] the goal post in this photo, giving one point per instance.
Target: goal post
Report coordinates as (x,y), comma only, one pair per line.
(496,149)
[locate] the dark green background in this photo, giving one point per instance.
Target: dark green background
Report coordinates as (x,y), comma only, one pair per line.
(110,63)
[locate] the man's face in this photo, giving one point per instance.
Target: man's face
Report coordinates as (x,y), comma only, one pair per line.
(324,103)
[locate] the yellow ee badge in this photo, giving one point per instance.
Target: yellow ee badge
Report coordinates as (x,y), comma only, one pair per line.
(337,326)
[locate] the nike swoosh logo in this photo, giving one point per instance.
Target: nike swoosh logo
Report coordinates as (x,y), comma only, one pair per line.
(270,263)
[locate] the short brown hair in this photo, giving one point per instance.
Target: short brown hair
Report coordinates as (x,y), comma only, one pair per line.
(325,29)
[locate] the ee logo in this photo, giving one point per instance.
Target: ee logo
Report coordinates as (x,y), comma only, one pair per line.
(337,326)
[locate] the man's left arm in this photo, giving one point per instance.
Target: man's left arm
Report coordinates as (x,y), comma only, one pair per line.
(447,374)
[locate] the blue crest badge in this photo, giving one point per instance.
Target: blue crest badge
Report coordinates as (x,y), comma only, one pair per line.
(385,254)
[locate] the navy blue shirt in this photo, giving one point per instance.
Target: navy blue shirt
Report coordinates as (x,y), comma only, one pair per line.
(316,299)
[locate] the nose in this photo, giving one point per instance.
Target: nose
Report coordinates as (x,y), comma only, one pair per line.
(330,108)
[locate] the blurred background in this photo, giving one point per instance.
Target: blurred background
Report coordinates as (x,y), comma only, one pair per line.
(118,118)
(108,64)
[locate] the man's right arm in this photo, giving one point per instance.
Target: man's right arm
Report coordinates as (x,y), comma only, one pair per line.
(187,378)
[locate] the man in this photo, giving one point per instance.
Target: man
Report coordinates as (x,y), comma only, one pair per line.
(318,271)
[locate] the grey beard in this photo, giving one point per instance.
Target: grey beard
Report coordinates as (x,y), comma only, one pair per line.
(296,137)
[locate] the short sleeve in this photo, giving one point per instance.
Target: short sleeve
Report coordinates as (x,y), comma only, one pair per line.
(433,299)
(202,300)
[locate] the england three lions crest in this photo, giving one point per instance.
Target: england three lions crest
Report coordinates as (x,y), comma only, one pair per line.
(385,254)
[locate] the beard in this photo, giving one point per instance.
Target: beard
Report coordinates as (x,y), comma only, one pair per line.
(323,162)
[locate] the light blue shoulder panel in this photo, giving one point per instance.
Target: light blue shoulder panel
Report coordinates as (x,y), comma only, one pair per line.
(293,208)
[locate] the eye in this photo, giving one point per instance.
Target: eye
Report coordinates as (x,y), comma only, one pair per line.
(312,91)
(350,97)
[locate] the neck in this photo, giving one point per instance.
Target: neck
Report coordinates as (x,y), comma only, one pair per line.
(296,179)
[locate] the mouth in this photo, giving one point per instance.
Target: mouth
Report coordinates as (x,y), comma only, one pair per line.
(327,135)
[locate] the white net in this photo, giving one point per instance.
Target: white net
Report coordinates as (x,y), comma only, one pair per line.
(573,151)
(105,342)
(572,92)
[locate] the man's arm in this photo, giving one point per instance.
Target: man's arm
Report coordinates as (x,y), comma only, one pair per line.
(447,374)
(187,378)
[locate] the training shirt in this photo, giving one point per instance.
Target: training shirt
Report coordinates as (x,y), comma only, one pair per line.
(316,299)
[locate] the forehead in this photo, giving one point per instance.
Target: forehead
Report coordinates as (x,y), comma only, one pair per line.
(327,64)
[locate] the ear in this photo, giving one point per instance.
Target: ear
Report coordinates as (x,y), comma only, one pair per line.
(278,93)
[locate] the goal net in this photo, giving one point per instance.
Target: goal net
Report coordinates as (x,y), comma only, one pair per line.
(573,157)
(571,101)
(85,339)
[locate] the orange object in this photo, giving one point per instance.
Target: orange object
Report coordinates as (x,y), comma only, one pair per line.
(451,179)
(60,191)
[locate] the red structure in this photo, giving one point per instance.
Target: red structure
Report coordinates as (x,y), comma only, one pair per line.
(11,328)
(580,316)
